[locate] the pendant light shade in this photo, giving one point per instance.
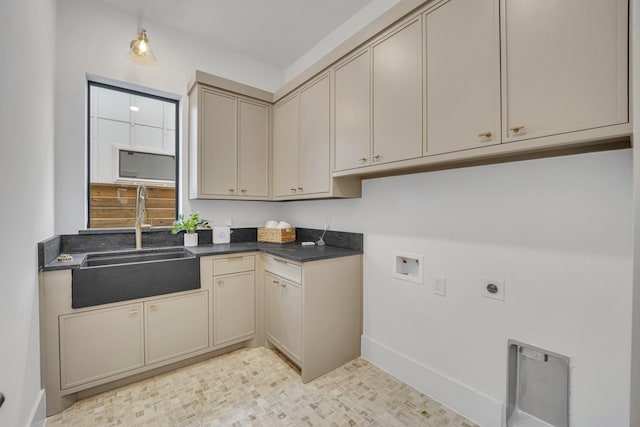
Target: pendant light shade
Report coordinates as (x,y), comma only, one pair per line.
(140,51)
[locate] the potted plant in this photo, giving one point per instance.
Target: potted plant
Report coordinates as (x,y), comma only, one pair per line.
(189,225)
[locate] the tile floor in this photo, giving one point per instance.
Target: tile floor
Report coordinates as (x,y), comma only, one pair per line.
(258,387)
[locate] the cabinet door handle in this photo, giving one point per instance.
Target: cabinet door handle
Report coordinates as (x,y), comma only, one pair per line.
(153,308)
(376,157)
(294,190)
(232,190)
(220,282)
(277,282)
(485,135)
(517,129)
(133,312)
(299,188)
(243,190)
(362,159)
(284,285)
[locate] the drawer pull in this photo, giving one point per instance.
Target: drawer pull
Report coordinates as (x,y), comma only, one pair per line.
(517,129)
(153,308)
(133,312)
(362,159)
(300,189)
(485,135)
(376,157)
(284,285)
(220,282)
(232,190)
(277,282)
(243,190)
(293,189)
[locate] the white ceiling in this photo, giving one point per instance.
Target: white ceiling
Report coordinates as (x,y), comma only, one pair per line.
(277,32)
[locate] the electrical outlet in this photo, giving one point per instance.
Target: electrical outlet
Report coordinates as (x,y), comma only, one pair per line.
(440,286)
(492,288)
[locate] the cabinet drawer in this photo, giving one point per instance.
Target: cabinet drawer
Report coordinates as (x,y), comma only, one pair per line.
(284,269)
(233,264)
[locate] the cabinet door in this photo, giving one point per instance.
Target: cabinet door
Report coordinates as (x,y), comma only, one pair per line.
(100,343)
(463,75)
(233,307)
(291,294)
(315,138)
(284,315)
(219,162)
(352,112)
(286,137)
(253,149)
(397,96)
(274,320)
(565,64)
(176,326)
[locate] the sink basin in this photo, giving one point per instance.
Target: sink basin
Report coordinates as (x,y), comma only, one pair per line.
(94,260)
(121,276)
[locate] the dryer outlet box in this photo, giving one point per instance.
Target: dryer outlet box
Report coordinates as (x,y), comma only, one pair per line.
(408,266)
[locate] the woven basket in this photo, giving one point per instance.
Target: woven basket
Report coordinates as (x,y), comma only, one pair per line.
(276,235)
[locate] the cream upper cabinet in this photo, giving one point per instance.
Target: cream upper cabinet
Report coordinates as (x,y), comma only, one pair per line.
(176,326)
(564,65)
(353,112)
(398,95)
(286,128)
(315,138)
(302,146)
(218,144)
(462,75)
(229,146)
(253,149)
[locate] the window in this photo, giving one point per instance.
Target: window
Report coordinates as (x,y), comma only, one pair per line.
(132,140)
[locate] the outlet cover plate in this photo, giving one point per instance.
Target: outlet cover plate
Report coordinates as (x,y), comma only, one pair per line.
(440,286)
(498,286)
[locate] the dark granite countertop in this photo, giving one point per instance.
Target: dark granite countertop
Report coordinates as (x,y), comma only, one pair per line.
(293,251)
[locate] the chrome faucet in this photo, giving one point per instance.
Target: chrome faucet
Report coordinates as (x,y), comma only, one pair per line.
(141,214)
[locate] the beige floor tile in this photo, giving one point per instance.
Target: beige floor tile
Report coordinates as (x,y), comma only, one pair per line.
(257,387)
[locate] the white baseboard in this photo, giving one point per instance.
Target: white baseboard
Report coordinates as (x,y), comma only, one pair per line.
(38,415)
(461,398)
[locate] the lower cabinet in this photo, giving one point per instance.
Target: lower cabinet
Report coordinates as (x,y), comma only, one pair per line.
(234,297)
(176,326)
(284,315)
(99,343)
(313,311)
(234,307)
(310,311)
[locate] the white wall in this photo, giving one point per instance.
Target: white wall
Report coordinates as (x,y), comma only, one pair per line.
(557,230)
(351,26)
(95,40)
(27,55)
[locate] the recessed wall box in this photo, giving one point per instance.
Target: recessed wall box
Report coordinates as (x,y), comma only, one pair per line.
(537,387)
(407,266)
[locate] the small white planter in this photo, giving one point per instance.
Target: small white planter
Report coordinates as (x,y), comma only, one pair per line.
(191,239)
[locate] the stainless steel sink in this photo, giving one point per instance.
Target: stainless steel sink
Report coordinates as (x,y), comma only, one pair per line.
(121,276)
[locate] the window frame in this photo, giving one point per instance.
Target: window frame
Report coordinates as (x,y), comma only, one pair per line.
(94,83)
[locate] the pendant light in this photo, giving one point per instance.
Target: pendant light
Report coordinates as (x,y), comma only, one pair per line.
(140,52)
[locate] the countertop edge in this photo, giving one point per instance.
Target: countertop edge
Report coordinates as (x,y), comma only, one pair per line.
(290,251)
